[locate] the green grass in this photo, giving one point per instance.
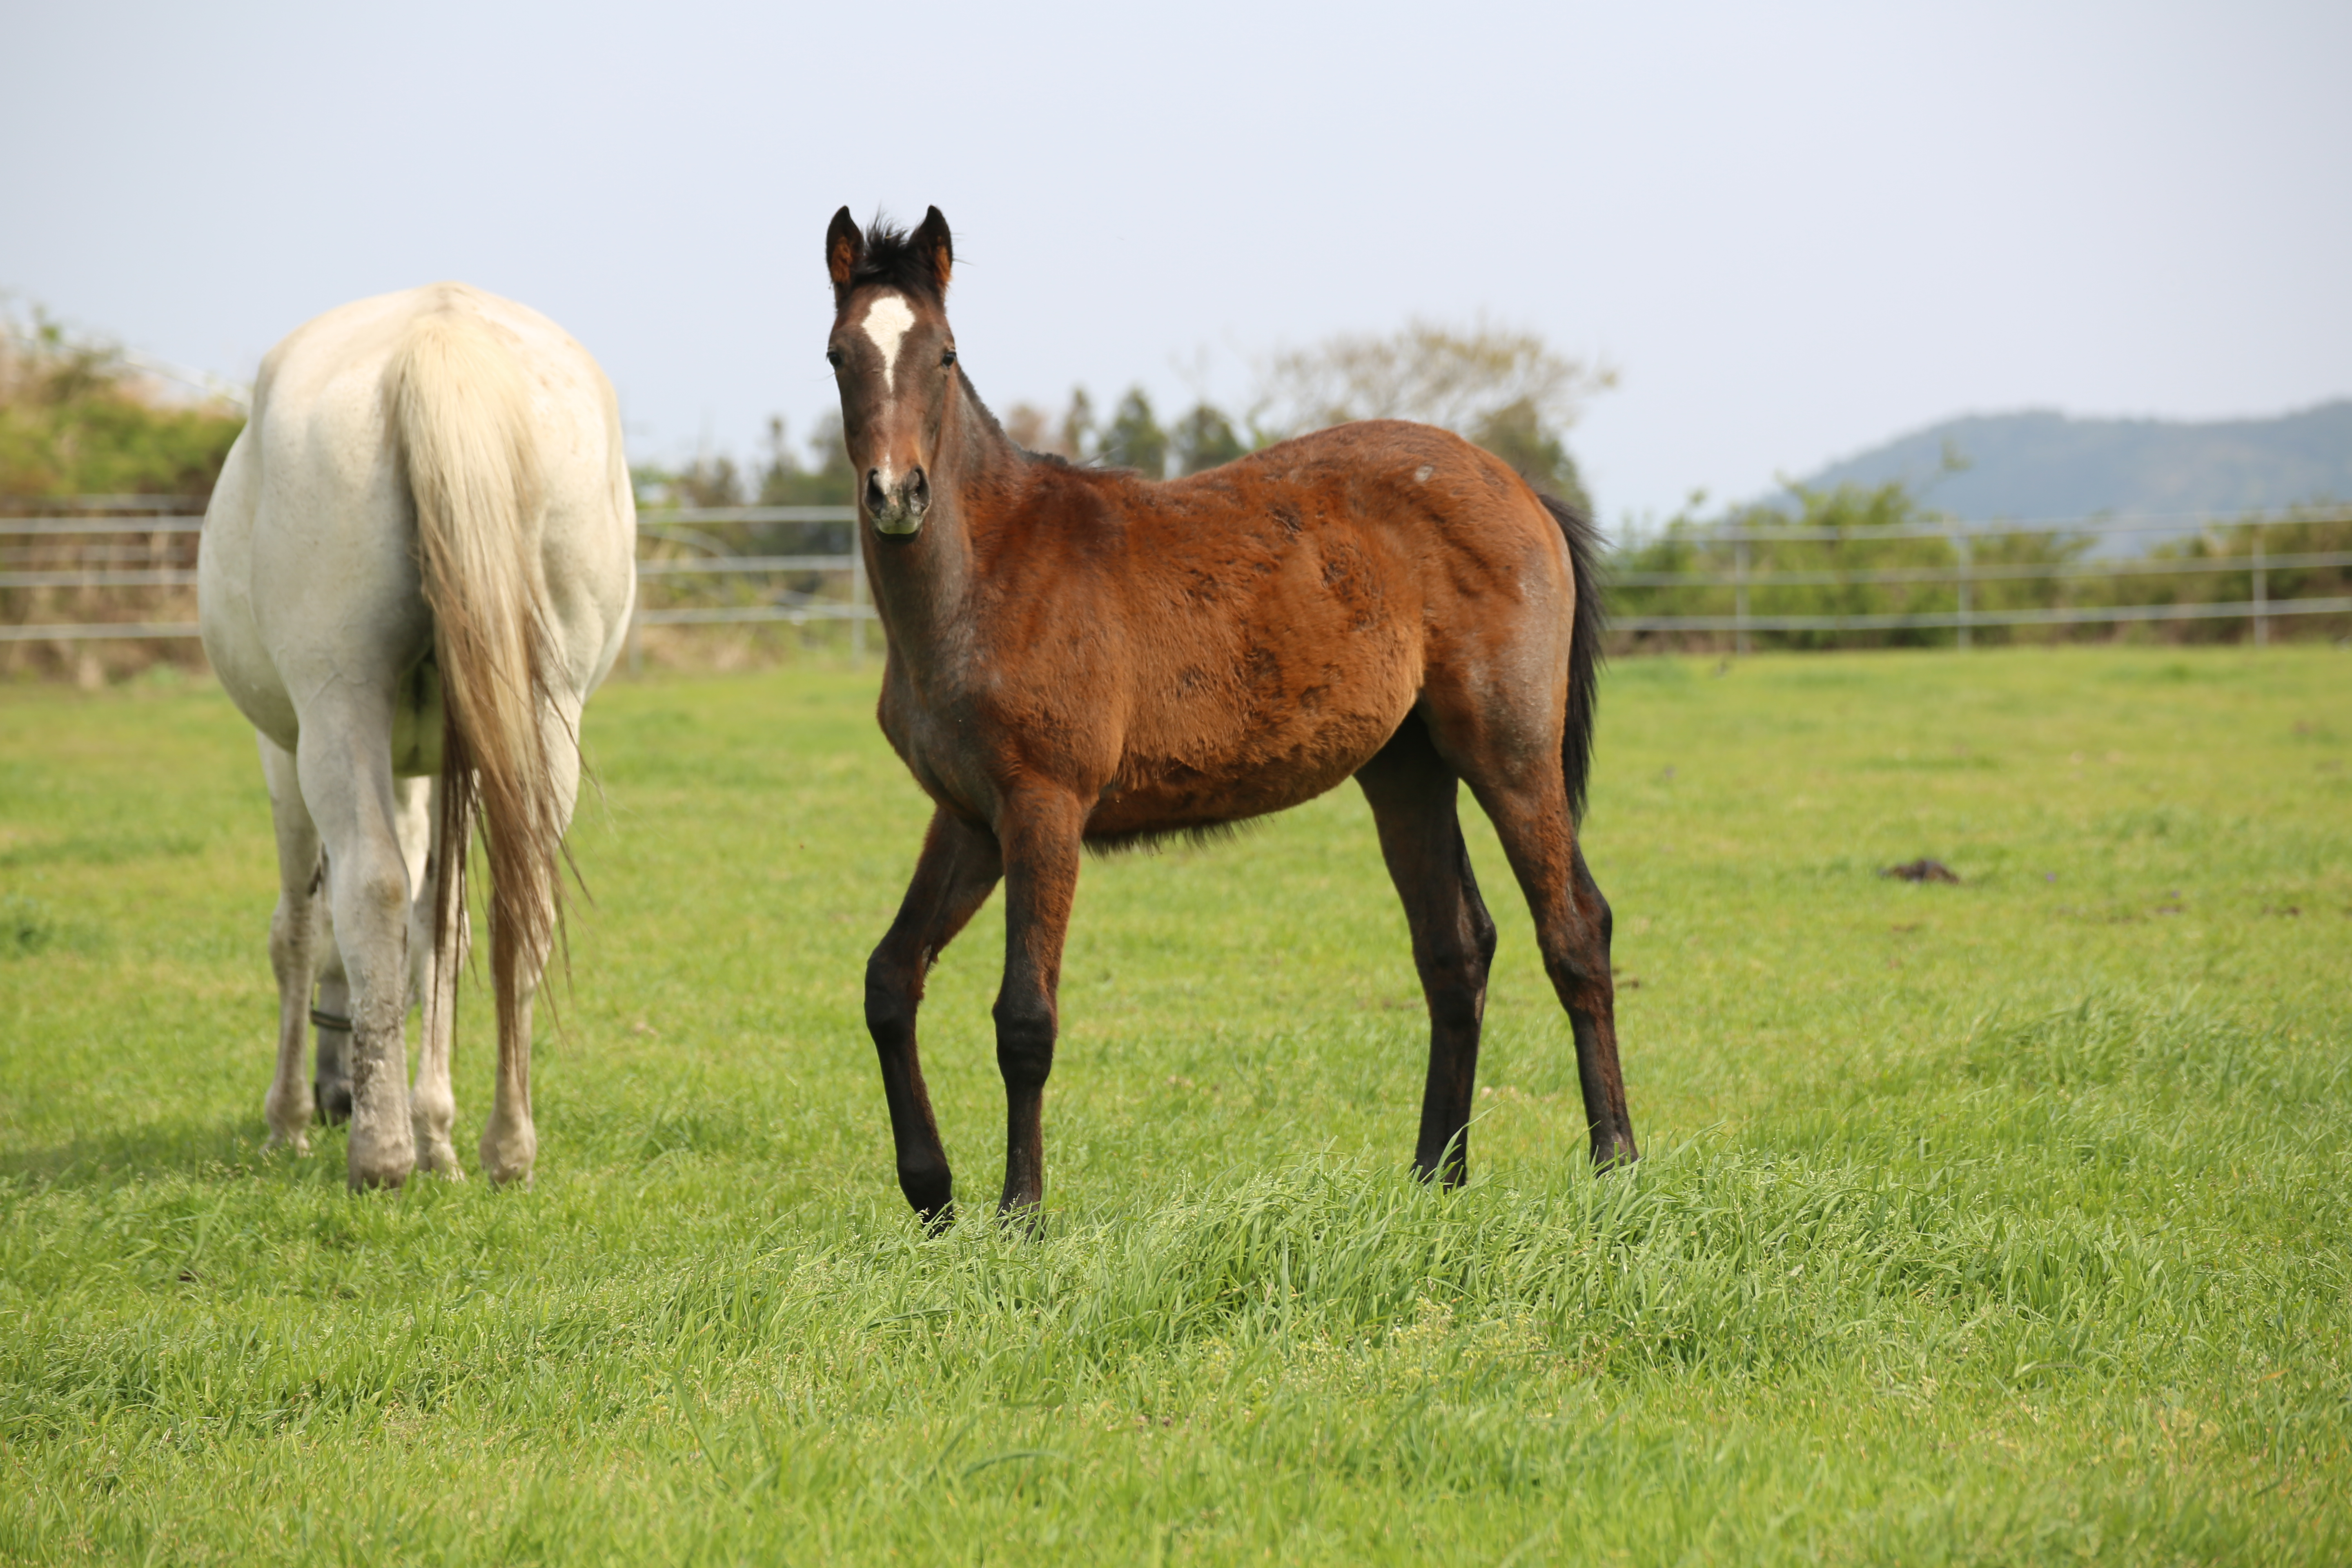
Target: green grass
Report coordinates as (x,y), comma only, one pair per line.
(1998,1223)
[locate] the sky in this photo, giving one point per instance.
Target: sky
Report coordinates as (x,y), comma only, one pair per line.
(1794,231)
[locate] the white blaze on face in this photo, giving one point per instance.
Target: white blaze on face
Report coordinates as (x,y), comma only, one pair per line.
(887,321)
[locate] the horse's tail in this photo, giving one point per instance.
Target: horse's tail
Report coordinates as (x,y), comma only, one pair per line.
(1584,648)
(461,410)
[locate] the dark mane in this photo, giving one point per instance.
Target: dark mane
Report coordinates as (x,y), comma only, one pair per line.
(892,259)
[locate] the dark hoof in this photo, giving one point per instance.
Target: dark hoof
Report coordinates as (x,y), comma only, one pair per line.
(930,1191)
(1618,1155)
(334,1104)
(1025,1222)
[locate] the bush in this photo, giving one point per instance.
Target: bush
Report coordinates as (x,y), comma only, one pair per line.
(78,419)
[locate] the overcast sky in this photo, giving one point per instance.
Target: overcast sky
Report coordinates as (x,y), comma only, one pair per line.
(1795,230)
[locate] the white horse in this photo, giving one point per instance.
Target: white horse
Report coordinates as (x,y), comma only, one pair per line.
(418,563)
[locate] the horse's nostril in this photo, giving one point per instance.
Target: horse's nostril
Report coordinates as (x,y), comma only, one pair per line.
(875,498)
(918,488)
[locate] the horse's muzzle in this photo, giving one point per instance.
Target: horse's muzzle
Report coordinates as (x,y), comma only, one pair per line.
(897,509)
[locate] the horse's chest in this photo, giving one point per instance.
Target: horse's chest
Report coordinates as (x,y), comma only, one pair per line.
(943,748)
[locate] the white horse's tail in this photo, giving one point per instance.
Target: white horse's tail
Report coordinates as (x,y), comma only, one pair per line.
(461,408)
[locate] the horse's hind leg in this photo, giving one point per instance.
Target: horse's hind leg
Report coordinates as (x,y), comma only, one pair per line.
(1572,929)
(509,1146)
(432,1107)
(431,1104)
(298,940)
(1412,793)
(959,868)
(346,779)
(332,1078)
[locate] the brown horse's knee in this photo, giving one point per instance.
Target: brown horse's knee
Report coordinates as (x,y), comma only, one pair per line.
(893,991)
(1024,1041)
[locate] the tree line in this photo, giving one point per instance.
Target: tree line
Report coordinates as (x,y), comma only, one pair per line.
(78,417)
(1508,390)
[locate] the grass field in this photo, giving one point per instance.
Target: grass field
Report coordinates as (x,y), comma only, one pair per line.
(1996,1223)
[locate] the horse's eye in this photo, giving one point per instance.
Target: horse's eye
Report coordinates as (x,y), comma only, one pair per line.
(833,358)
(946,357)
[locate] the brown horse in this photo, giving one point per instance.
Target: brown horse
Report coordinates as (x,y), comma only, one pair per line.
(1083,656)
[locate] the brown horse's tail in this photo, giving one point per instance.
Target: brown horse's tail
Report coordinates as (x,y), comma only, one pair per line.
(1584,648)
(461,411)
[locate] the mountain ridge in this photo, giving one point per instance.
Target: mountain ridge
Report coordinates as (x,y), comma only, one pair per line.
(2042,463)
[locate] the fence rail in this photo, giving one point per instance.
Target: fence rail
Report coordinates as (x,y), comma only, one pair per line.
(699,553)
(2061,540)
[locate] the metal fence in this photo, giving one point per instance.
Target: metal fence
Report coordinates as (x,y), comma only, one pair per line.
(681,549)
(721,565)
(147,543)
(97,542)
(1964,574)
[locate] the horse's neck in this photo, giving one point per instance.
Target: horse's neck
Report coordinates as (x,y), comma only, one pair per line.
(923,586)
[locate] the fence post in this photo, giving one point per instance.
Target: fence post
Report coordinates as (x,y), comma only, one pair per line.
(1739,594)
(2261,592)
(1960,542)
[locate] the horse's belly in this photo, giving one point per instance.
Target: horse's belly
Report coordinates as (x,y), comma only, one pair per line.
(1228,763)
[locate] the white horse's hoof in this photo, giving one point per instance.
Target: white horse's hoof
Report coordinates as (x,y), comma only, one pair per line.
(508,1162)
(298,1144)
(517,1174)
(440,1157)
(385,1162)
(379,1173)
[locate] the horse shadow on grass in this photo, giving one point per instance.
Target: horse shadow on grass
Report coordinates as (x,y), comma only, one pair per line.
(198,1147)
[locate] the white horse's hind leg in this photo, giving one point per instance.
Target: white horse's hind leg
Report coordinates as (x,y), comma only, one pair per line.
(433,1103)
(344,765)
(330,1078)
(511,1141)
(297,940)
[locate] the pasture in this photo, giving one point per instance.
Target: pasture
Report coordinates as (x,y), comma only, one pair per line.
(1991,1223)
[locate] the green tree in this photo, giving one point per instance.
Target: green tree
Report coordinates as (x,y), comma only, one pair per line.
(708,482)
(1205,438)
(1846,534)
(1078,427)
(1134,439)
(826,479)
(1428,373)
(1516,434)
(78,418)
(1508,390)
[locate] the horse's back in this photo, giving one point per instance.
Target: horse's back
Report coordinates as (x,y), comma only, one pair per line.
(1279,617)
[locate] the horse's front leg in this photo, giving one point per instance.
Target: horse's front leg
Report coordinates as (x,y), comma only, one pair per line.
(299,939)
(959,868)
(1042,835)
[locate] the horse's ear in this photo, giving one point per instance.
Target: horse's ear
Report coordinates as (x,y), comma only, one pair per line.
(843,248)
(933,244)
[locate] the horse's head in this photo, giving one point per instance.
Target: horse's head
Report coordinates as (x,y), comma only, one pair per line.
(894,355)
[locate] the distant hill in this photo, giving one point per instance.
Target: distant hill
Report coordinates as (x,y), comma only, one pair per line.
(2042,464)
